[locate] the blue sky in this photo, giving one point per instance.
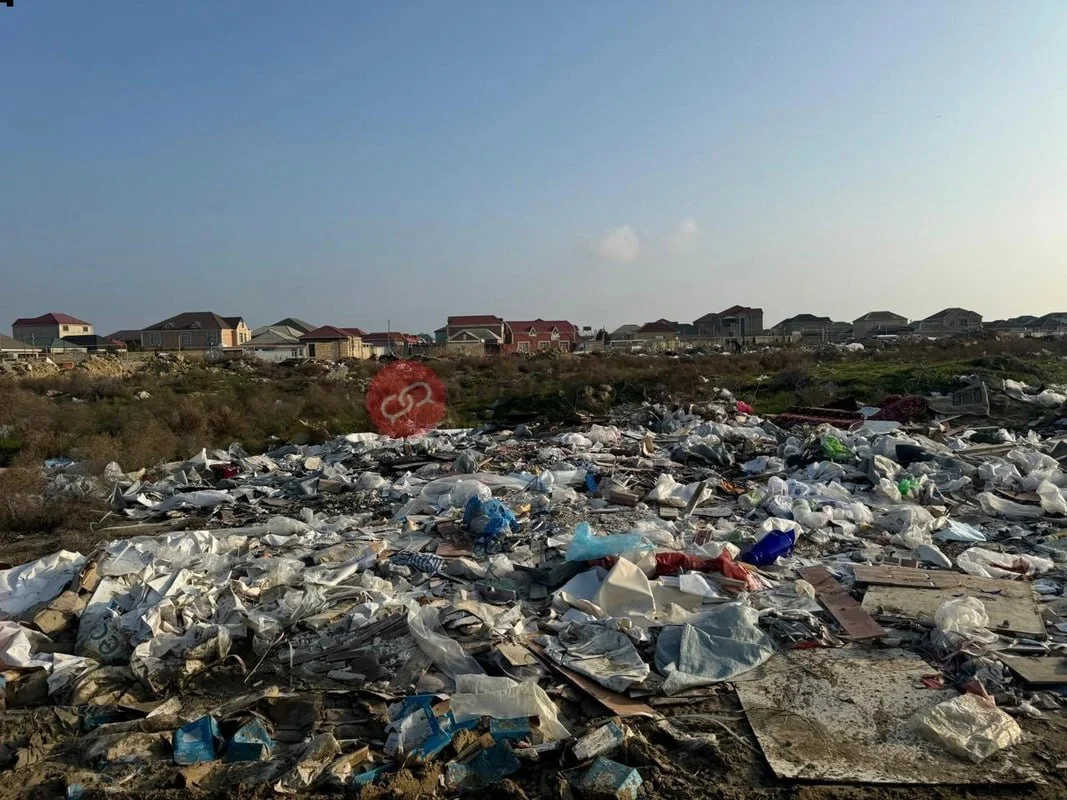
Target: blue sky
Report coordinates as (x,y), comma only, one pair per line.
(605,162)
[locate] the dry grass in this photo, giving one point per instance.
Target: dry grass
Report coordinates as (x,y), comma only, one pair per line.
(97,419)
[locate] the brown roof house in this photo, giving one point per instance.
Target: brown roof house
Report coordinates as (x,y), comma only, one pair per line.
(195,330)
(951,322)
(476,334)
(333,343)
(47,327)
(659,335)
(736,322)
(879,323)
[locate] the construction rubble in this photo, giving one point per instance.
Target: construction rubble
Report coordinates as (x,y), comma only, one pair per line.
(880,602)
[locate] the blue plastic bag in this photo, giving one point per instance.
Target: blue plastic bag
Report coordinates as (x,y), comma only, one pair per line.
(488,519)
(587,547)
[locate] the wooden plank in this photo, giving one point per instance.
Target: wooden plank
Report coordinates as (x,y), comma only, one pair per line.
(1043,671)
(938,579)
(1007,613)
(843,606)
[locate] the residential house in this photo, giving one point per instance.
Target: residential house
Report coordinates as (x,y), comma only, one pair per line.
(805,325)
(196,330)
(659,335)
(47,327)
(476,334)
(16,348)
(330,342)
(1054,324)
(129,336)
(59,347)
(951,322)
(879,323)
(276,343)
(289,322)
(383,343)
(97,344)
(529,336)
(623,333)
(735,322)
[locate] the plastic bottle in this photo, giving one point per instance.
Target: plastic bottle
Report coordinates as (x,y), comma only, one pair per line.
(768,549)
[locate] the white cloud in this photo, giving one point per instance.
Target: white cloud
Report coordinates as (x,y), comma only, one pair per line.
(684,239)
(619,244)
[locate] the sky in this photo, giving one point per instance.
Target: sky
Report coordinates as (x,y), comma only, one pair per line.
(393,163)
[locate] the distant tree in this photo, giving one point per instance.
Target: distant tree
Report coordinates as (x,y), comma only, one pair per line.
(602,336)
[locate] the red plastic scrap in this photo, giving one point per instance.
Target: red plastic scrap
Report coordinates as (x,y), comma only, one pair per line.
(743,407)
(902,408)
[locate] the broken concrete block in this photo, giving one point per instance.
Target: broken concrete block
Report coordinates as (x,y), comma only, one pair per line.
(610,780)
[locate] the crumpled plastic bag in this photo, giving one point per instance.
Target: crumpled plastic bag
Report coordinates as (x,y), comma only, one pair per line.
(970,727)
(605,655)
(425,625)
(668,492)
(1052,501)
(488,519)
(585,546)
(478,696)
(717,646)
(961,614)
(1000,507)
(988,564)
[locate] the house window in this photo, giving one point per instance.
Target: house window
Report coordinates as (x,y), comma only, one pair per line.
(85,328)
(212,339)
(157,339)
(543,345)
(524,347)
(66,328)
(186,338)
(311,349)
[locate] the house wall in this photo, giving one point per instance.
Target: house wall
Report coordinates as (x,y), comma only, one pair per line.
(523,342)
(200,339)
(864,328)
(279,353)
(27,333)
(336,349)
(467,348)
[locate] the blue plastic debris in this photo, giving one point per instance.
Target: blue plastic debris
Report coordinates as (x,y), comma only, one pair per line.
(75,791)
(585,546)
(252,742)
(514,729)
(489,766)
(197,742)
(488,519)
(441,729)
(610,779)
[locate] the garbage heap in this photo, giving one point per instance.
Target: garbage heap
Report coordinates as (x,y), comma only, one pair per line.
(473,607)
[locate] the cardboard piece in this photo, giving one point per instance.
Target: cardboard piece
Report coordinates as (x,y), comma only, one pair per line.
(848,716)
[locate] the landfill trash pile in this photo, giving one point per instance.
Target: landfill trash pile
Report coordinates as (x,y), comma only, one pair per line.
(473,607)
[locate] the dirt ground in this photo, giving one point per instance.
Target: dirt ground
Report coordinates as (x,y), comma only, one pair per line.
(44,753)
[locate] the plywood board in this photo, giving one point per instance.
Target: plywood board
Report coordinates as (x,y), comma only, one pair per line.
(1011,614)
(937,579)
(846,716)
(1043,671)
(849,614)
